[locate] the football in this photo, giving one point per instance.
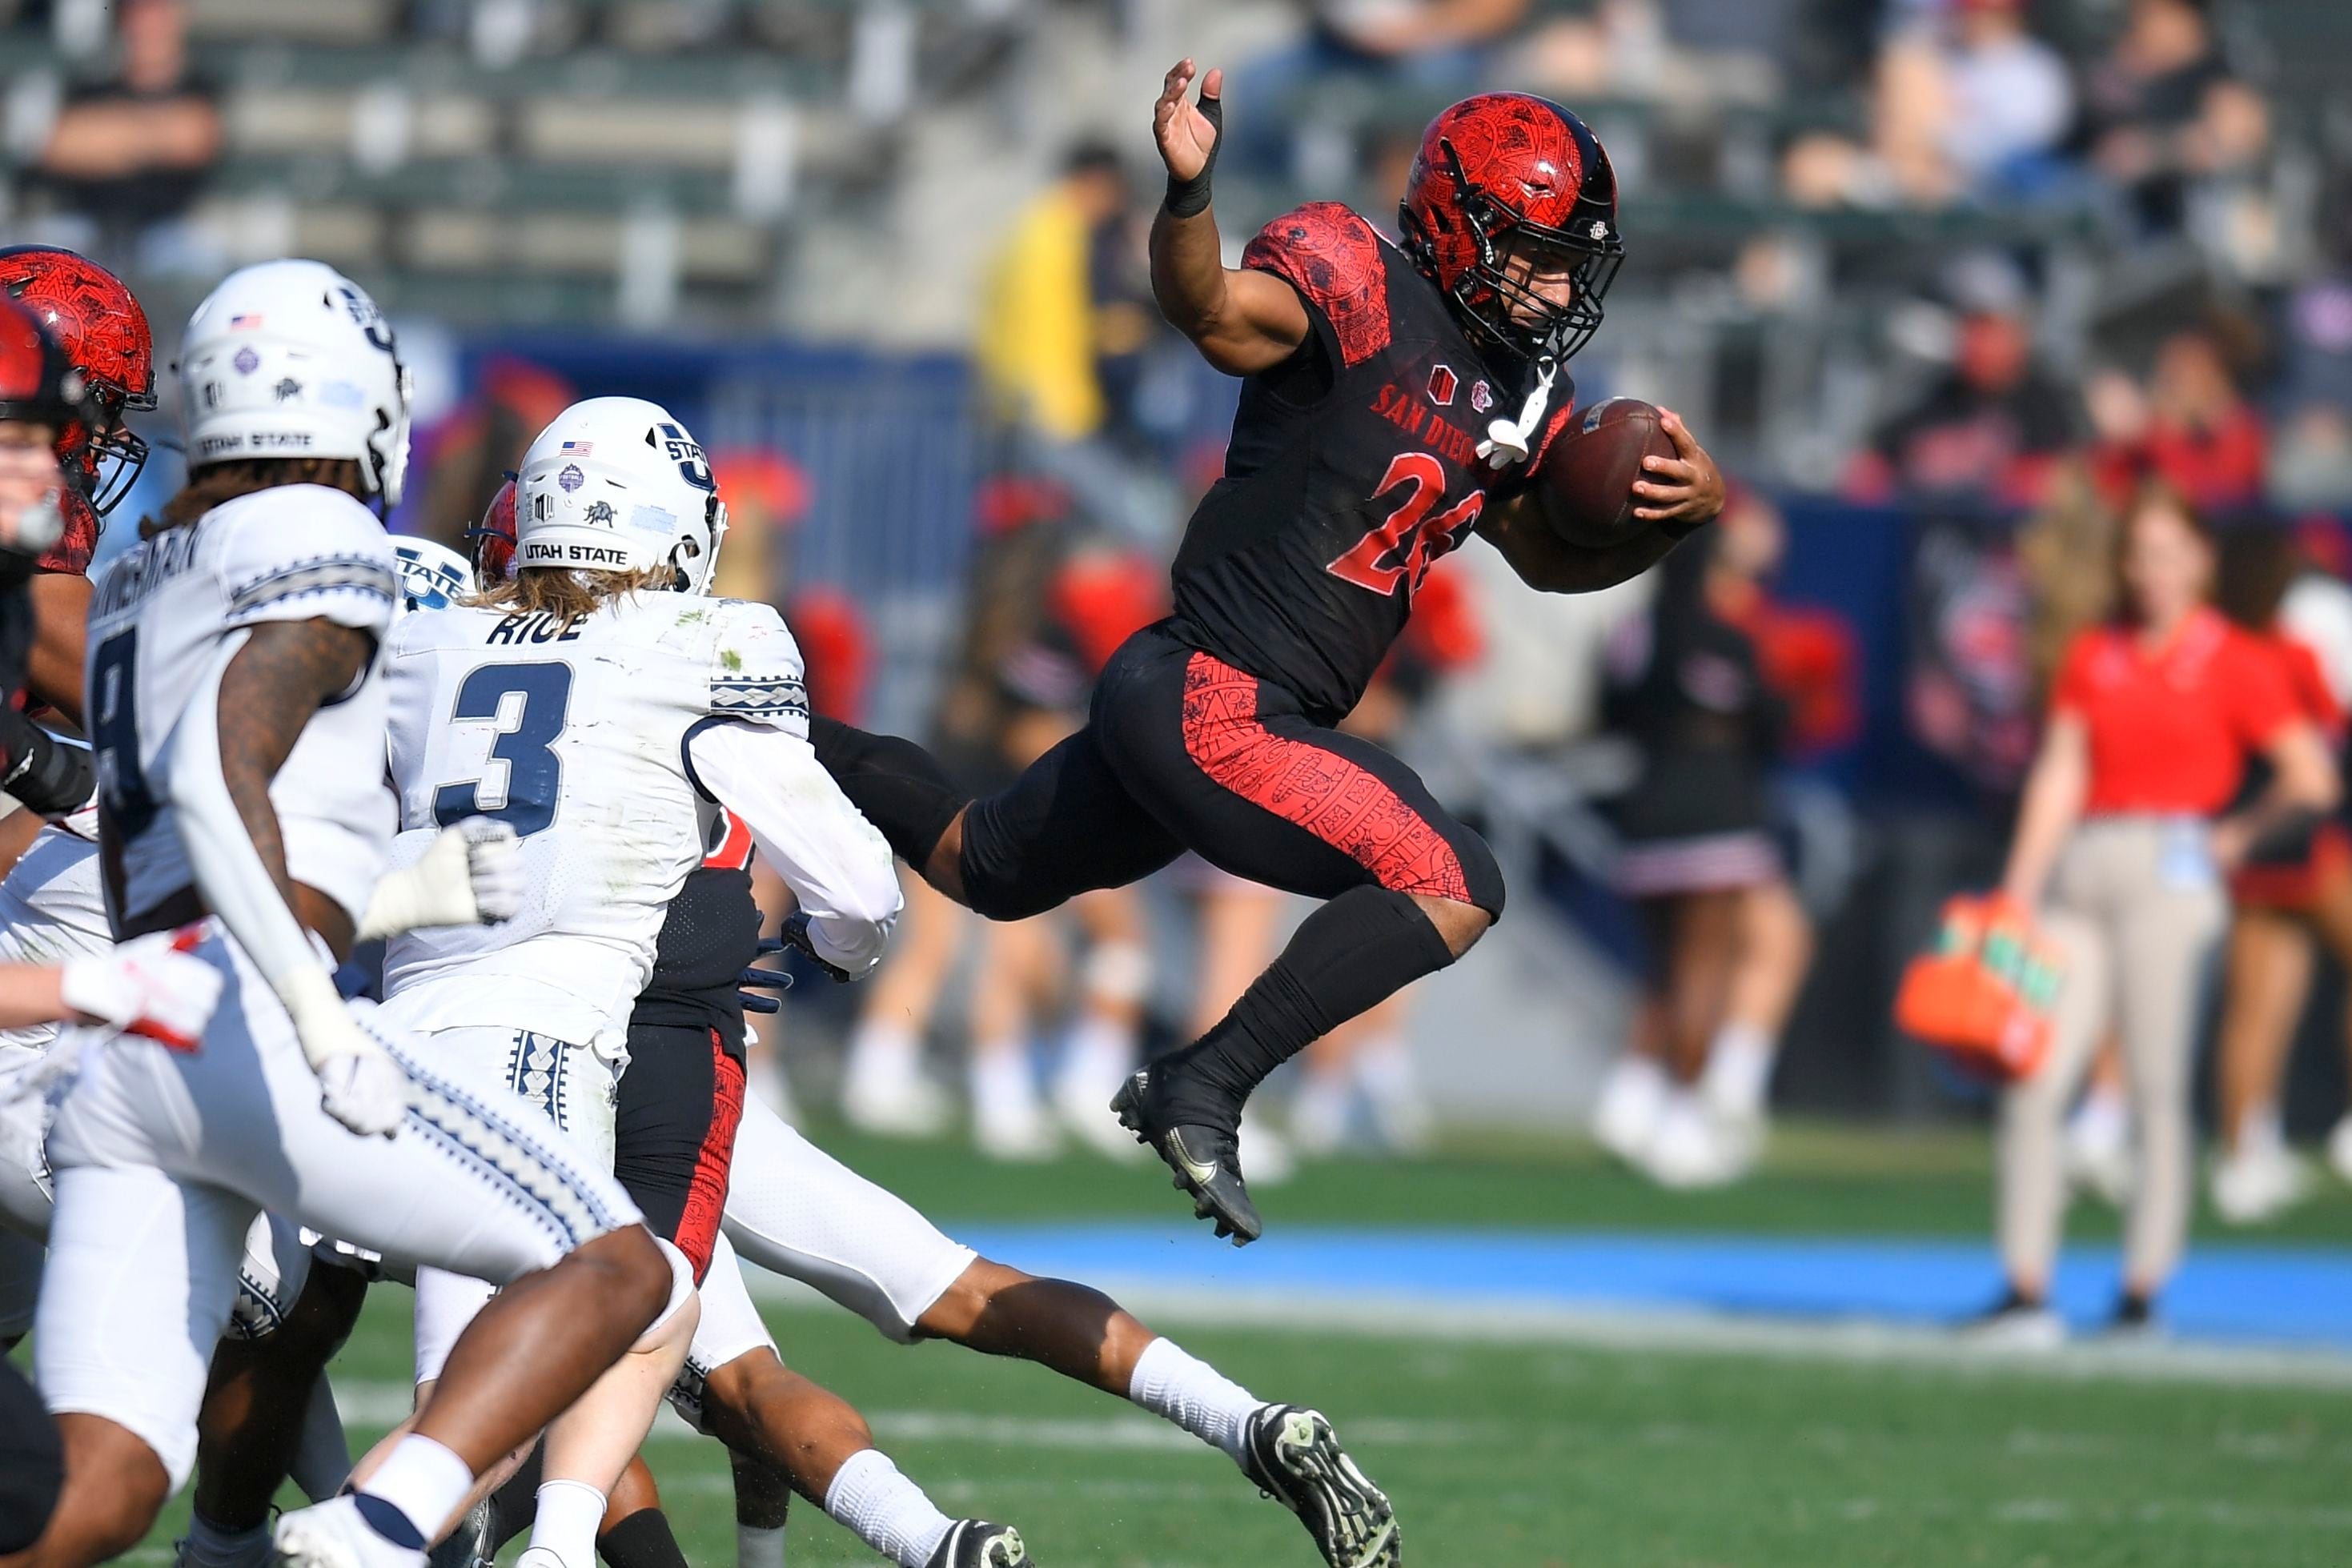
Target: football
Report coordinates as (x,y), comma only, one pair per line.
(1586,484)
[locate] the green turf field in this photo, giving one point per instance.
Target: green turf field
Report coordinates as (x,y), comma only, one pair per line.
(1519,1455)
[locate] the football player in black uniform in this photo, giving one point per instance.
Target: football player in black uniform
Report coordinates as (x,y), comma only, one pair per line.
(1363,450)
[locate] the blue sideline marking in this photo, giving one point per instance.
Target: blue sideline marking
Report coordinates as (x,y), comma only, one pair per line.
(2274,1294)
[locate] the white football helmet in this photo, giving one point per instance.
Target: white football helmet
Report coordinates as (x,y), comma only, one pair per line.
(432,576)
(616,484)
(292,359)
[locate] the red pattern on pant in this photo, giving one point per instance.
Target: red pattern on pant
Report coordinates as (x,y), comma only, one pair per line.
(1318,791)
(706,1199)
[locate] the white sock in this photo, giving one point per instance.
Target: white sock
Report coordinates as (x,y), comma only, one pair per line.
(886,1510)
(1631,1097)
(1180,1388)
(1002,1089)
(1739,1069)
(322,1460)
(2264,1130)
(2102,1121)
(1383,1065)
(1318,1110)
(1098,1057)
(565,1524)
(424,1480)
(210,1546)
(756,1546)
(884,1053)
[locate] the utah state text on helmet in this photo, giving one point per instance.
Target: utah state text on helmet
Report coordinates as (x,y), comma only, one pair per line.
(292,359)
(616,483)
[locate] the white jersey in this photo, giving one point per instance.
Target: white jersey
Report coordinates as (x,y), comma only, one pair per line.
(52,909)
(575,735)
(158,617)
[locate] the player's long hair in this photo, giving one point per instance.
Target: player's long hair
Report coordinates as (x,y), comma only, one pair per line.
(216,483)
(561,591)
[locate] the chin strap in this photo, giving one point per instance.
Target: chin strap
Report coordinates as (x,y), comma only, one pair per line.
(1510,441)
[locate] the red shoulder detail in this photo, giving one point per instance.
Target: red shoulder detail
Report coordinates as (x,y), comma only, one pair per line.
(1333,257)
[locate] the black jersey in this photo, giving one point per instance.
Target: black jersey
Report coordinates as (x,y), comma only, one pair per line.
(710,935)
(1353,465)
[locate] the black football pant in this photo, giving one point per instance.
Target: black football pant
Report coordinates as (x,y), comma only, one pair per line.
(1183,751)
(681,1101)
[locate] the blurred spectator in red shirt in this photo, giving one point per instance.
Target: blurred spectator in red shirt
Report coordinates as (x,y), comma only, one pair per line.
(1990,430)
(2193,429)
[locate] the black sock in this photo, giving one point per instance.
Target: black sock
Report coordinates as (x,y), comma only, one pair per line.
(515,1504)
(1345,958)
(901,788)
(641,1540)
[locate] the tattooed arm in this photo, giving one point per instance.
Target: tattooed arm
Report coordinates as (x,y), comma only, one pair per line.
(284,673)
(261,689)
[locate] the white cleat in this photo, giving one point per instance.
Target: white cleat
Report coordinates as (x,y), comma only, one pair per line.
(899,1107)
(2098,1155)
(331,1534)
(2339,1148)
(1688,1152)
(2257,1184)
(1083,1106)
(1625,1116)
(1021,1134)
(2017,1327)
(540,1557)
(1320,1115)
(1265,1152)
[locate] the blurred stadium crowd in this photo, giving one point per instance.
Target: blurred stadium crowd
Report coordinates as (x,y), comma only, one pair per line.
(1945,283)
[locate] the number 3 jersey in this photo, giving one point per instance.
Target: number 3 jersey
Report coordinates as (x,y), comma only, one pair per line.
(574,733)
(1353,465)
(161,616)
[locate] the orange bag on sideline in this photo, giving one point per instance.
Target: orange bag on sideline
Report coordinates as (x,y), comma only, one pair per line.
(1984,994)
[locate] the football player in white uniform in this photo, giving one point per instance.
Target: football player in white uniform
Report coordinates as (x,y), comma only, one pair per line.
(230,682)
(605,709)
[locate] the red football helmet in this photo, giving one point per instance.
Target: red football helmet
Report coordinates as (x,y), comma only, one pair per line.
(1501,172)
(37,384)
(103,334)
(493,537)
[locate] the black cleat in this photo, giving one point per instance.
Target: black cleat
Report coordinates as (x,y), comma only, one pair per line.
(976,1543)
(470,1545)
(1207,1162)
(1294,1457)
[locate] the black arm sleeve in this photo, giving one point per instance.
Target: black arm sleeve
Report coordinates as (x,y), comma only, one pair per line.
(46,774)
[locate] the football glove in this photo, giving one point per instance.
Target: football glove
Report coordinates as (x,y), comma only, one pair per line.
(756,979)
(153,985)
(797,937)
